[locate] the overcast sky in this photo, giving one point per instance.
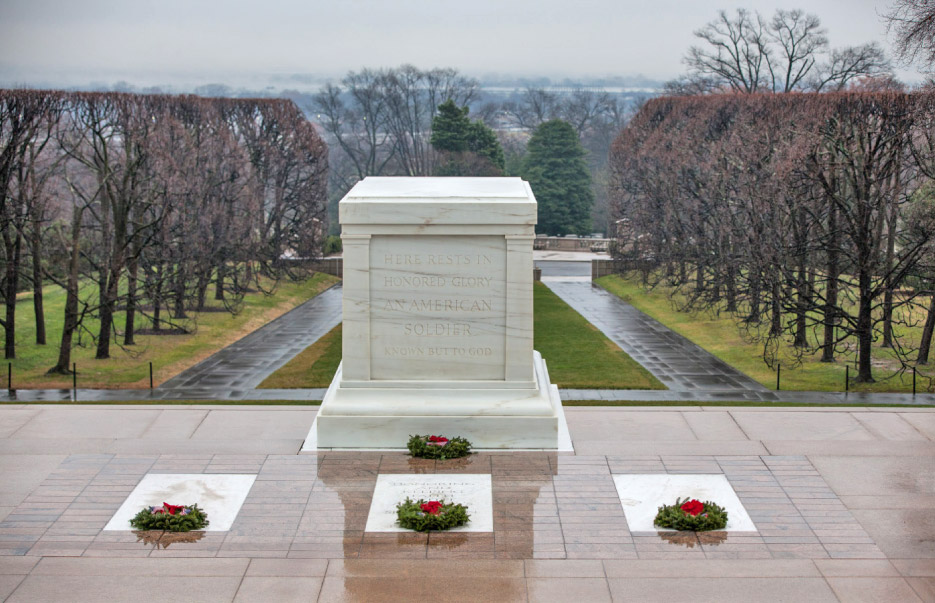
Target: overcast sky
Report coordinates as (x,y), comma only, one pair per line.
(156,41)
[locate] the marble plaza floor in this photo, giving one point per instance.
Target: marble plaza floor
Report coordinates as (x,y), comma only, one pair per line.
(840,498)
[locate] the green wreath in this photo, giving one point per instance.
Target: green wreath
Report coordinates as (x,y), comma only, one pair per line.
(438,447)
(691,515)
(423,516)
(172,518)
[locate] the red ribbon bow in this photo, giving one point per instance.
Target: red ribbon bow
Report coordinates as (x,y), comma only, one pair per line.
(433,507)
(692,507)
(172,509)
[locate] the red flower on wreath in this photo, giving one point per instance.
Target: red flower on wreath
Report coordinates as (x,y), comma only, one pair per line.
(692,507)
(437,441)
(433,507)
(173,509)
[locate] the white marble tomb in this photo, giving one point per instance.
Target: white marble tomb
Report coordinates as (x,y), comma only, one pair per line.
(437,312)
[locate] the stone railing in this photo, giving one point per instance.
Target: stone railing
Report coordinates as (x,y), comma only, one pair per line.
(572,244)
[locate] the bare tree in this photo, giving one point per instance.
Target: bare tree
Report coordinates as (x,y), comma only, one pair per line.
(737,52)
(746,53)
(24,118)
(794,213)
(912,23)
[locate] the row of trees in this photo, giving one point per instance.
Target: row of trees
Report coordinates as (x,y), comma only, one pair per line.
(151,199)
(808,217)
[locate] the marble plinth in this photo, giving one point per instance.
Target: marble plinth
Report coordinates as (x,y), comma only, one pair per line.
(471,490)
(438,318)
(491,418)
(642,495)
(219,495)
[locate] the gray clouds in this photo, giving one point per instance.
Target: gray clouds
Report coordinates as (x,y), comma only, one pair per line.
(237,38)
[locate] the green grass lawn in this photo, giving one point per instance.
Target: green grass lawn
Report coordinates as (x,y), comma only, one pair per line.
(313,367)
(170,354)
(721,337)
(577,354)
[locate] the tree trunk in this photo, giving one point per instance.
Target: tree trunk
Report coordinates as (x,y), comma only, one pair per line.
(831,293)
(129,329)
(731,288)
(157,303)
(203,281)
(107,315)
(219,283)
(801,308)
(11,280)
(63,366)
(37,284)
(890,285)
(926,343)
(179,293)
(754,315)
(776,319)
(864,329)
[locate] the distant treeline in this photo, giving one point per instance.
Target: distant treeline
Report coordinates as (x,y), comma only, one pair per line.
(378,122)
(809,217)
(152,198)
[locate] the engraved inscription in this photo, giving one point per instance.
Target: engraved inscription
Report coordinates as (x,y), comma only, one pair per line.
(437,307)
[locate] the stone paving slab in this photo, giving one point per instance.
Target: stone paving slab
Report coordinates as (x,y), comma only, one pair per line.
(559,533)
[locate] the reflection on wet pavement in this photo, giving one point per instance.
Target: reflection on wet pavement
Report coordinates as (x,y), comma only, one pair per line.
(545,506)
(159,539)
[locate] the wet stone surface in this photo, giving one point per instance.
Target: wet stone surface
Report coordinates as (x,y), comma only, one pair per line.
(545,506)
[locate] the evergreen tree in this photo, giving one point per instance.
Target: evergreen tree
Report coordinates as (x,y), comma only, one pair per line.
(467,148)
(483,142)
(556,170)
(451,128)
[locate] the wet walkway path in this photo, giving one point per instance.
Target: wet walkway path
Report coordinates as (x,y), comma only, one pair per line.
(244,364)
(677,362)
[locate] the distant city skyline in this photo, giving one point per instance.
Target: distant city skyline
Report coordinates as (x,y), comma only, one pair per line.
(239,43)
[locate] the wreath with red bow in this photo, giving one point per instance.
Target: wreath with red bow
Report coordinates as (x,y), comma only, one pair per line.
(172,518)
(438,447)
(691,515)
(423,515)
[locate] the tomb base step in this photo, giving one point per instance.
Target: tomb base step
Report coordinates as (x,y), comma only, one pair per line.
(489,418)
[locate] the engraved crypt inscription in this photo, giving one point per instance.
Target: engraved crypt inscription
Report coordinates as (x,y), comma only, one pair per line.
(435,302)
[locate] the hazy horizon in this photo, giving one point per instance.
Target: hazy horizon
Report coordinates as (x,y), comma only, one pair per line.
(44,42)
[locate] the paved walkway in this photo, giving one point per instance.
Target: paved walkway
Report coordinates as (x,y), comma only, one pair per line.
(247,362)
(681,365)
(835,497)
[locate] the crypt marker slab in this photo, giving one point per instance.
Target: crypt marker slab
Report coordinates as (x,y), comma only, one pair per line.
(642,494)
(472,490)
(220,495)
(438,318)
